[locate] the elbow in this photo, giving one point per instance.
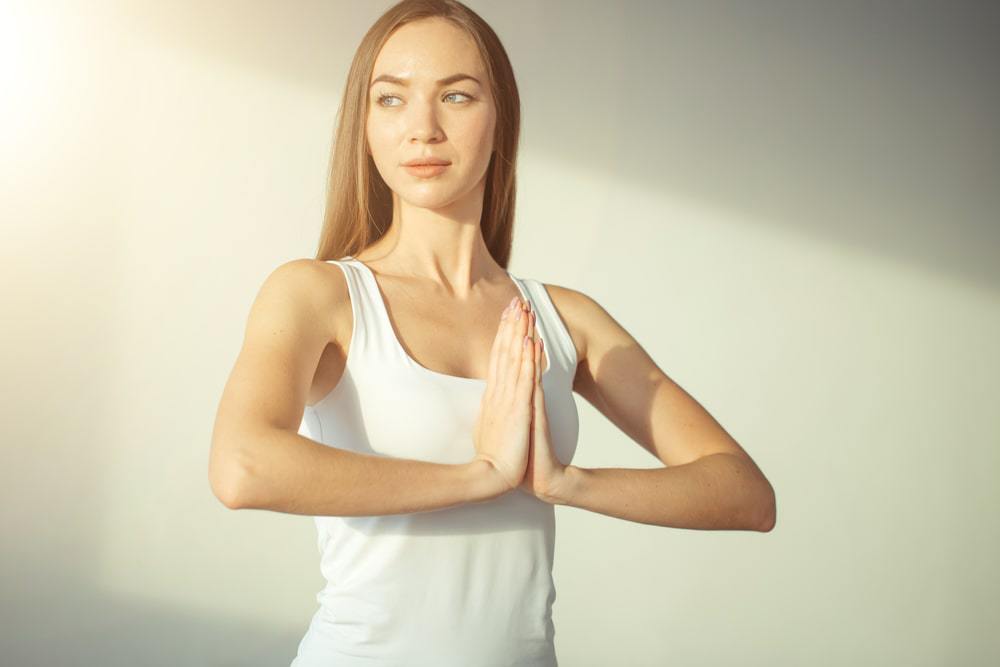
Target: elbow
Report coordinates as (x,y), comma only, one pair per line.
(768,524)
(227,479)
(226,489)
(227,494)
(757,510)
(769,512)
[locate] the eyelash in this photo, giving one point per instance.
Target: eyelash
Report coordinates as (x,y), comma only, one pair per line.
(383,96)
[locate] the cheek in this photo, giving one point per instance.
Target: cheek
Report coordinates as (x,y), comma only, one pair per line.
(476,134)
(380,143)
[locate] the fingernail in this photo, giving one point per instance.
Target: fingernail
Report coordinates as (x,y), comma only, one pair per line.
(519,311)
(512,302)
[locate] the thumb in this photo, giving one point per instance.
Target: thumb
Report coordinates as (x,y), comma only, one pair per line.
(537,397)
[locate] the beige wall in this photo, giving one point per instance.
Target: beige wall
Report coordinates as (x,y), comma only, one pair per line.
(794,209)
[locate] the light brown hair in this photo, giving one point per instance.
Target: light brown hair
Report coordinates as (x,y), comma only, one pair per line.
(358,201)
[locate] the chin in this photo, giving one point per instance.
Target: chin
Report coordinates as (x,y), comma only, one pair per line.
(428,195)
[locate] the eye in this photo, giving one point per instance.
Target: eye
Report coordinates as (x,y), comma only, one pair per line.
(460,93)
(385,96)
(380,100)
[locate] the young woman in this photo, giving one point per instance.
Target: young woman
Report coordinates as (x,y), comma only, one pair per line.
(415,397)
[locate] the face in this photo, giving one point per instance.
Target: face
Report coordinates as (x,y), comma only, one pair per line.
(421,116)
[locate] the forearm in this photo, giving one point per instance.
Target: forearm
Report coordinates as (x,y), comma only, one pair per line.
(286,472)
(717,492)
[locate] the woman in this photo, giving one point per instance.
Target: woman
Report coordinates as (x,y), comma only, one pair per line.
(415,398)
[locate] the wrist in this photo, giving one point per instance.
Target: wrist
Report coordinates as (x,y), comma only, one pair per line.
(485,480)
(564,489)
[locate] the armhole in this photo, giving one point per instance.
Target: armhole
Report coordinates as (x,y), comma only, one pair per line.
(352,299)
(561,330)
(357,331)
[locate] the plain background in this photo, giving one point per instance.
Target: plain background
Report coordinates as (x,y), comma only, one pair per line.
(793,206)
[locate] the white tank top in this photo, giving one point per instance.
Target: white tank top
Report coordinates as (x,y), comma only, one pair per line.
(465,586)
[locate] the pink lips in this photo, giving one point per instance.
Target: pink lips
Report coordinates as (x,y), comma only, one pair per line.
(426,170)
(426,159)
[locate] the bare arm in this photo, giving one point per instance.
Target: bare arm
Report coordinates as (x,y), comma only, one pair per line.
(707,482)
(719,491)
(291,473)
(259,460)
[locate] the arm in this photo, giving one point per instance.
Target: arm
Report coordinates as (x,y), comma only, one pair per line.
(287,472)
(707,481)
(715,492)
(258,459)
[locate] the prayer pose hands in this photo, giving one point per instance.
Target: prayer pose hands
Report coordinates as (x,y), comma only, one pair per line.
(512,431)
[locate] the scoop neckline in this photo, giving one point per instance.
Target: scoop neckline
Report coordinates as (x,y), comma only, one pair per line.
(416,364)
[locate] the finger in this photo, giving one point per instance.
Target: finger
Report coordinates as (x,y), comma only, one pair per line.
(525,376)
(538,362)
(524,330)
(530,333)
(508,371)
(539,420)
(539,387)
(535,372)
(491,374)
(495,349)
(503,361)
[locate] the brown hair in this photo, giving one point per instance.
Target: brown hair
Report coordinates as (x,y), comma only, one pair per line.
(358,201)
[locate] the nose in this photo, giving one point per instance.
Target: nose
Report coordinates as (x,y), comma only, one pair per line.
(423,123)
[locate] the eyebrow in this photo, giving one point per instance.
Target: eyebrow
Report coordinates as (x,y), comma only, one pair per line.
(388,78)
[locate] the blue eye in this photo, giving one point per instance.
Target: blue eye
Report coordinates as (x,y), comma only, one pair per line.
(459,93)
(384,96)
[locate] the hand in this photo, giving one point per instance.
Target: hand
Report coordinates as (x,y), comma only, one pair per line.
(544,472)
(501,433)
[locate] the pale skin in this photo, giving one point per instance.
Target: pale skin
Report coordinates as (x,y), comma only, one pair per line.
(436,275)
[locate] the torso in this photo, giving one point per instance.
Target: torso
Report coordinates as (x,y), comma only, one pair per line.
(438,332)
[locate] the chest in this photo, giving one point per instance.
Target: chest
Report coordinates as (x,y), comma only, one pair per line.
(447,338)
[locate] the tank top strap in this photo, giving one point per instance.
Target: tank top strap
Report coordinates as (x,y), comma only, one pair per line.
(562,351)
(370,336)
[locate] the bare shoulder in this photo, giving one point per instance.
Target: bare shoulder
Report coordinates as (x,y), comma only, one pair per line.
(317,286)
(593,328)
(313,280)
(576,309)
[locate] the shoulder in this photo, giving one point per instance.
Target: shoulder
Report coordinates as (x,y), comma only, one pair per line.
(578,311)
(314,286)
(311,280)
(600,340)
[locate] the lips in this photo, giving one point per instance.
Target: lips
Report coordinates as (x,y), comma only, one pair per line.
(426,161)
(426,170)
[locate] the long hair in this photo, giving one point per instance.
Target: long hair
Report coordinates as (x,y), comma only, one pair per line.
(358,201)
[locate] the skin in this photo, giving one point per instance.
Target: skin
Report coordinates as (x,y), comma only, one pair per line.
(502,432)
(436,274)
(434,246)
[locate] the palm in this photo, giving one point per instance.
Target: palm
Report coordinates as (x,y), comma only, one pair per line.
(543,467)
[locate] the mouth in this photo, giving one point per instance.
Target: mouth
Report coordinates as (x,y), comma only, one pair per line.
(423,161)
(426,169)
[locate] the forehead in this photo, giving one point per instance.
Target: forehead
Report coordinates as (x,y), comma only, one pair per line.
(429,49)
